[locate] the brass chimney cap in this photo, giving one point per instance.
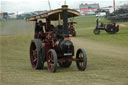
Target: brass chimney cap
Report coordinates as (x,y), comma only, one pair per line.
(64,6)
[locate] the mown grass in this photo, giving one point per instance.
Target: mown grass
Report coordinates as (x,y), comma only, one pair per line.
(86,25)
(107,68)
(11,27)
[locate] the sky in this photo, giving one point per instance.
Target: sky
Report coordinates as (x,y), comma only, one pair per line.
(39,5)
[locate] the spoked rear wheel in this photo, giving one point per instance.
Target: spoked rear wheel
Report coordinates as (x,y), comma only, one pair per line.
(117,29)
(37,54)
(111,31)
(52,60)
(81,59)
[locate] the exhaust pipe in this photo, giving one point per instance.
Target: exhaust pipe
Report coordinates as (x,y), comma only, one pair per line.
(65,20)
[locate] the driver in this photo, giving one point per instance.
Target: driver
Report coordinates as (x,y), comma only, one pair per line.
(49,26)
(39,29)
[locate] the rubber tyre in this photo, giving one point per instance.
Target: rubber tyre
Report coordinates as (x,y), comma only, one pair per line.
(52,60)
(82,60)
(96,31)
(117,29)
(74,33)
(37,54)
(111,31)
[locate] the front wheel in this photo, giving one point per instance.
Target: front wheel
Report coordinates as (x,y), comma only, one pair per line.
(81,59)
(74,33)
(96,31)
(52,60)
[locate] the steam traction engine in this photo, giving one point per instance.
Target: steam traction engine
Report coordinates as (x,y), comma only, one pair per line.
(55,47)
(109,28)
(71,28)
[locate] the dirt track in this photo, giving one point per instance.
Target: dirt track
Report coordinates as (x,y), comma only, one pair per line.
(123,25)
(107,63)
(101,48)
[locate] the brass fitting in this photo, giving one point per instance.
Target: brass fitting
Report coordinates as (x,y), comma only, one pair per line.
(64,7)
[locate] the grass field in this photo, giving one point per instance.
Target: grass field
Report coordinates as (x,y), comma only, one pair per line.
(107,56)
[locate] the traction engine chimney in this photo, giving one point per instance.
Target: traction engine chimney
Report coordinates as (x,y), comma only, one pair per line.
(65,20)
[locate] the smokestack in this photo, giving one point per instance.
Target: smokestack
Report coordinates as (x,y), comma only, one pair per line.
(65,20)
(114,5)
(49,4)
(65,2)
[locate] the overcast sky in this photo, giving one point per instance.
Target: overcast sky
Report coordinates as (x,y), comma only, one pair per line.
(34,5)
